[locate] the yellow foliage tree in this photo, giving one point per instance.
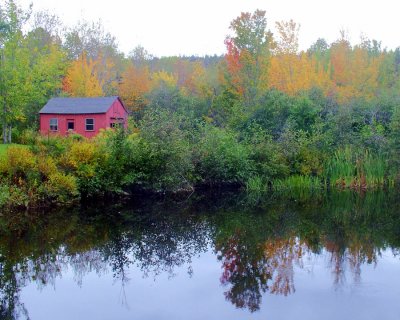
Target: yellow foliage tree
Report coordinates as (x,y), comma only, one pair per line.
(82,78)
(196,82)
(133,87)
(164,78)
(290,71)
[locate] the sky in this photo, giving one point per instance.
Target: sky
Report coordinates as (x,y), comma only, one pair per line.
(185,27)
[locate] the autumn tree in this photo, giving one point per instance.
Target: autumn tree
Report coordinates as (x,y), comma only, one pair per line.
(99,47)
(134,85)
(89,37)
(247,56)
(355,70)
(389,73)
(197,84)
(340,53)
(139,56)
(291,71)
(286,67)
(82,78)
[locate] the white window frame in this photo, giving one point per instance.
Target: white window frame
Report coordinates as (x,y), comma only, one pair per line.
(53,125)
(86,124)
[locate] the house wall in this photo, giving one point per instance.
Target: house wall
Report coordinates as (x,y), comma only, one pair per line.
(79,119)
(117,111)
(101,121)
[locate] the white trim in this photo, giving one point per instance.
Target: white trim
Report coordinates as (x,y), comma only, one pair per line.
(90,124)
(50,125)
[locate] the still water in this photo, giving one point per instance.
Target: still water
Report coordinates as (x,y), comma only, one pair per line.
(225,256)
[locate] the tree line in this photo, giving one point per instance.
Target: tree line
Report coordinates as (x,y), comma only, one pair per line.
(260,114)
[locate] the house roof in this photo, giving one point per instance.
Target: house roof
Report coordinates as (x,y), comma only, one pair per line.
(78,105)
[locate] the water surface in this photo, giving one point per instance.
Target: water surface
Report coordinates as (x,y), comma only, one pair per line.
(226,256)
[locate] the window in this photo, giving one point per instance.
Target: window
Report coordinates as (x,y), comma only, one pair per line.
(89,124)
(115,125)
(70,125)
(116,122)
(54,124)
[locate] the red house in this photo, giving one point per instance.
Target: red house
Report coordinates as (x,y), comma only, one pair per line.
(85,116)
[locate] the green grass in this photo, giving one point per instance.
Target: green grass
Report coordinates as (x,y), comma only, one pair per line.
(341,167)
(298,182)
(4,147)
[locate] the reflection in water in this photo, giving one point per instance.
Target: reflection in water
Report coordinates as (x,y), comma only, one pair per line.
(259,245)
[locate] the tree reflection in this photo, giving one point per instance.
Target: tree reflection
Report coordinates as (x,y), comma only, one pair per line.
(259,245)
(281,255)
(352,232)
(10,305)
(245,271)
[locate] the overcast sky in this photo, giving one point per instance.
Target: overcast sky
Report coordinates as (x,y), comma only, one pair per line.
(185,27)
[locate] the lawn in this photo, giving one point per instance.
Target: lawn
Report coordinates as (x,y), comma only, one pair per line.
(3,148)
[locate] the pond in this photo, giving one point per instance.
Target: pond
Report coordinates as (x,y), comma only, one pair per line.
(218,256)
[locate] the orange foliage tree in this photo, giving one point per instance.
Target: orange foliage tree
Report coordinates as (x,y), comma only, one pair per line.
(354,71)
(134,85)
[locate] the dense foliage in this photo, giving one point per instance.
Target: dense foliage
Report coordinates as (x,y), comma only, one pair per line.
(265,115)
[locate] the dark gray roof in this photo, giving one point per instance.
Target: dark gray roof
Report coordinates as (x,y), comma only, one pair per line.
(78,105)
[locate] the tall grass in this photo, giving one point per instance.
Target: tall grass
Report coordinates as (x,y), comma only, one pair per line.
(340,169)
(298,182)
(349,169)
(295,185)
(345,169)
(376,170)
(257,184)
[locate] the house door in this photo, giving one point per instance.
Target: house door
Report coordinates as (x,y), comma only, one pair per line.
(70,125)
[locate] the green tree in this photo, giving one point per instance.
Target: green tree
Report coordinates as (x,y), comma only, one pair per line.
(246,62)
(32,67)
(14,66)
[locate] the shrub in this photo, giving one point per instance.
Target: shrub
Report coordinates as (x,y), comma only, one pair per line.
(265,154)
(28,137)
(61,187)
(19,161)
(46,165)
(166,161)
(220,158)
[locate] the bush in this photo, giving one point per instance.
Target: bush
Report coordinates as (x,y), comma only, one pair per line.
(61,187)
(165,144)
(28,137)
(19,162)
(266,155)
(30,179)
(220,158)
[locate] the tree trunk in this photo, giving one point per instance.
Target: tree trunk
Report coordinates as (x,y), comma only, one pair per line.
(4,133)
(9,133)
